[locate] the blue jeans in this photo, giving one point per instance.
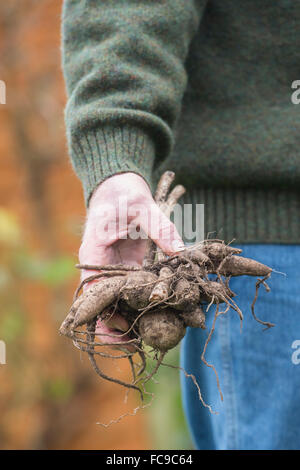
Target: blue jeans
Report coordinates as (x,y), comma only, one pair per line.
(259,370)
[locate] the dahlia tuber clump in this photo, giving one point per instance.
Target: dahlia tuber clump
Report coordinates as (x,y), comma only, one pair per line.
(159,299)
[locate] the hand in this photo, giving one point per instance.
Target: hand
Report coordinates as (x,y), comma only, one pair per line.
(121,215)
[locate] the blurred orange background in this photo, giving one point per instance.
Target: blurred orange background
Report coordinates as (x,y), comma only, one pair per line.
(50,398)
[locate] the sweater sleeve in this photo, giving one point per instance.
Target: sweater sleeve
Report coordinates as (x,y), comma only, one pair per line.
(123,63)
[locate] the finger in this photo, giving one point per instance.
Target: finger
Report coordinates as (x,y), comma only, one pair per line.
(113,331)
(161,230)
(116,322)
(129,251)
(93,255)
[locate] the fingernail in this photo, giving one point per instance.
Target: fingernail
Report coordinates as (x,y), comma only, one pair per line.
(177,245)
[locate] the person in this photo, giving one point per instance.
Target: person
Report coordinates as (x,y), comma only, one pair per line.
(203,88)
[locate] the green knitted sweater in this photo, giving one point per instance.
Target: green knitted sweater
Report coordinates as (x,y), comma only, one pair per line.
(202,88)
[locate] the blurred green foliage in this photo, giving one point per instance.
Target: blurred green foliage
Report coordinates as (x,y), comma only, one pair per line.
(12,325)
(58,389)
(52,272)
(19,262)
(165,415)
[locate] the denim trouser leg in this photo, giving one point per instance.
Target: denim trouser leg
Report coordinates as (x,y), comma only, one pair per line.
(258,370)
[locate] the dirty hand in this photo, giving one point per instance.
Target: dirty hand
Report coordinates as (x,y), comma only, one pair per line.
(121,215)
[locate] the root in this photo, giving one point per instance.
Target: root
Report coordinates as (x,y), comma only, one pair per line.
(108,267)
(257,286)
(91,329)
(193,378)
(161,290)
(158,363)
(217,313)
(128,413)
(162,190)
(143,358)
(132,368)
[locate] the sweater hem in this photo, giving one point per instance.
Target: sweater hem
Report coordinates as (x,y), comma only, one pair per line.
(247,215)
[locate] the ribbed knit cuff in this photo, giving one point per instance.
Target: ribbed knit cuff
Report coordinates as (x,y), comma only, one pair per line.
(108,150)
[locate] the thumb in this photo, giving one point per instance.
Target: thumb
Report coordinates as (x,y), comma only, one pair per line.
(161,230)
